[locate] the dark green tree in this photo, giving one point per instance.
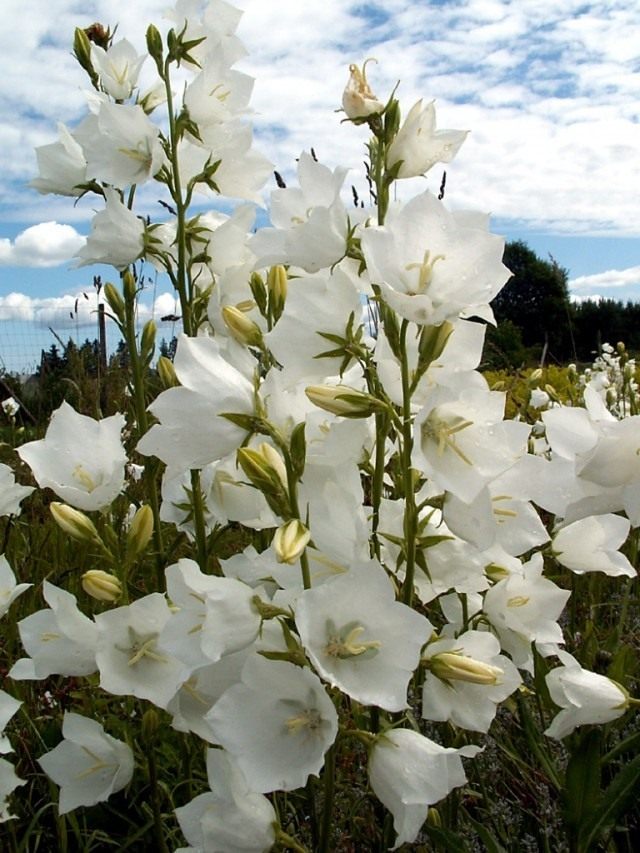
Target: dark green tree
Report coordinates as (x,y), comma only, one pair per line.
(536,301)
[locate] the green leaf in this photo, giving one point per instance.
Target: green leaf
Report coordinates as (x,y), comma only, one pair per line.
(582,781)
(621,794)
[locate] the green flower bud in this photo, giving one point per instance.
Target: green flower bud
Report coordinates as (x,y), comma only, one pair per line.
(114,301)
(344,401)
(244,330)
(140,531)
(167,372)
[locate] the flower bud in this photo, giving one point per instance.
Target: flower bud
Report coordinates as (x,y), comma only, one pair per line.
(433,340)
(277,283)
(535,376)
(154,46)
(148,341)
(140,531)
(114,301)
(129,286)
(101,585)
(344,401)
(73,522)
(82,52)
(264,468)
(452,666)
(244,330)
(290,540)
(167,372)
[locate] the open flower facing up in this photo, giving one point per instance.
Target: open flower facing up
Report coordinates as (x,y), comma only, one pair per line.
(418,145)
(128,654)
(360,638)
(80,458)
(277,724)
(433,265)
(231,817)
(585,697)
(89,765)
(408,773)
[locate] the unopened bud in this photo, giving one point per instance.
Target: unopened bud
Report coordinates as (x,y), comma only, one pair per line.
(244,330)
(167,372)
(551,391)
(535,376)
(140,531)
(154,46)
(73,522)
(129,286)
(278,282)
(453,666)
(148,340)
(433,340)
(344,401)
(496,573)
(265,469)
(290,540)
(114,301)
(101,585)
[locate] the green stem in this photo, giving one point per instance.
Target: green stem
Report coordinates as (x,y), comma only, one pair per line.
(183,283)
(410,511)
(155,804)
(197,504)
(151,469)
(327,806)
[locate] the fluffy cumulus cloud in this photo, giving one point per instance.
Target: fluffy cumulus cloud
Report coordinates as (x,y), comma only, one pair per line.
(47,244)
(548,88)
(72,311)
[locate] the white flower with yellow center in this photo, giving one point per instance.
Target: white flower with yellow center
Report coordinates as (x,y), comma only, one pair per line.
(359,638)
(277,724)
(89,765)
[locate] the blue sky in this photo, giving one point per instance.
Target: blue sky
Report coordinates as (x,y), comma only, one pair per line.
(550,90)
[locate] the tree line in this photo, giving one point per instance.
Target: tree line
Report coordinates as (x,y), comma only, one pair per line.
(537,321)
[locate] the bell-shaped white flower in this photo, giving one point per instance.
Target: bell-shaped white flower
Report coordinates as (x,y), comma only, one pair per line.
(408,773)
(277,724)
(117,235)
(524,608)
(585,697)
(129,656)
(231,817)
(11,493)
(360,639)
(60,640)
(9,589)
(591,545)
(82,460)
(62,165)
(117,67)
(418,145)
(467,679)
(121,145)
(432,265)
(192,432)
(89,765)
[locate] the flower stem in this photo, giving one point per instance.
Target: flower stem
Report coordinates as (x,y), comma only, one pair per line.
(410,512)
(327,806)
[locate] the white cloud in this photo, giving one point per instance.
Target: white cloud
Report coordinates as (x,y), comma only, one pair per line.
(78,310)
(548,88)
(47,244)
(609,279)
